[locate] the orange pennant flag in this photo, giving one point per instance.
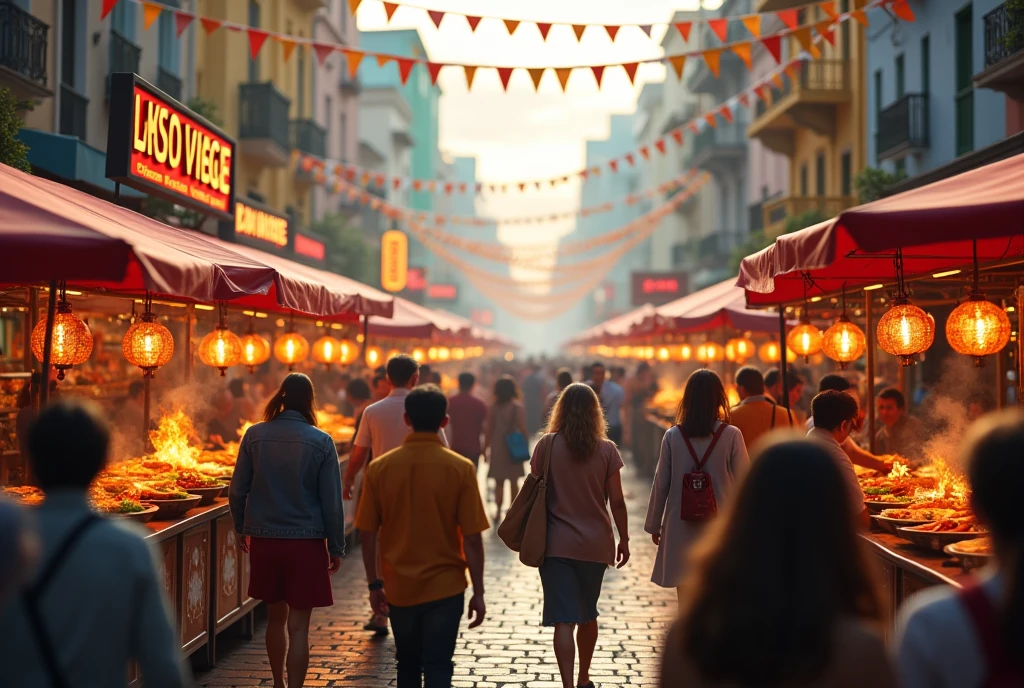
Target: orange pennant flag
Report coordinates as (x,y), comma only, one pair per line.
(578,29)
(353,5)
(803,36)
(829,8)
(753,24)
(434,69)
(536,75)
(645,152)
(354,57)
(725,113)
(826,32)
(720,27)
(563,76)
(684,29)
(777,80)
(210,25)
(470,73)
(150,13)
(713,60)
(287,47)
(612,32)
(389,9)
(790,71)
(710,119)
(678,62)
(861,17)
(511,25)
(788,17)
(383,59)
(431,186)
(742,51)
(631,70)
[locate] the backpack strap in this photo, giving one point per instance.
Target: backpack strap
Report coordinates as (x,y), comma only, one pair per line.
(772,426)
(986,627)
(699,463)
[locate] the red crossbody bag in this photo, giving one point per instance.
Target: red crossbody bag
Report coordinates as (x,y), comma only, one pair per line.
(698,498)
(1002,673)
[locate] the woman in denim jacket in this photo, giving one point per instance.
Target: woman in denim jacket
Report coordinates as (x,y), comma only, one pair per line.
(286,504)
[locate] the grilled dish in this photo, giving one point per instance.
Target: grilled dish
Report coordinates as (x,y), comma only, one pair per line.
(189,479)
(951,525)
(26,495)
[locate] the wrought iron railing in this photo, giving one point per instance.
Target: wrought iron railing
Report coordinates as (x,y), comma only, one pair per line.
(263,113)
(1004,34)
(23,42)
(168,83)
(309,137)
(725,134)
(74,109)
(124,55)
(903,125)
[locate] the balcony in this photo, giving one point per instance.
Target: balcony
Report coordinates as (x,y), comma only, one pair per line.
(685,207)
(23,50)
(74,108)
(808,102)
(350,86)
(1004,53)
(777,211)
(309,137)
(902,127)
(720,150)
(124,56)
(168,83)
(263,130)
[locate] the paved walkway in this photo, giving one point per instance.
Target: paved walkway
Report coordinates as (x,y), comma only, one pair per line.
(510,650)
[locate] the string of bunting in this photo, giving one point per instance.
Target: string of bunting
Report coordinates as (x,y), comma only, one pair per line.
(257,38)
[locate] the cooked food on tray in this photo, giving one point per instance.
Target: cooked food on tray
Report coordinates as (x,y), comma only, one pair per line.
(159,490)
(951,525)
(914,514)
(189,479)
(982,546)
(26,496)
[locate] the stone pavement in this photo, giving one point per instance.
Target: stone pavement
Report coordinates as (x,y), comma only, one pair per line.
(510,650)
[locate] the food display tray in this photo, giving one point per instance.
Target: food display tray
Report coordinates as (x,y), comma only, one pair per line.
(968,560)
(208,494)
(144,516)
(174,508)
(890,525)
(935,541)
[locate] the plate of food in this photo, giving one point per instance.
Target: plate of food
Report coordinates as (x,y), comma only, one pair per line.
(196,483)
(878,499)
(891,519)
(972,554)
(935,536)
(141,512)
(25,495)
(172,500)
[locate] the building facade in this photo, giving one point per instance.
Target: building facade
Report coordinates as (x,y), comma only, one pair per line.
(767,171)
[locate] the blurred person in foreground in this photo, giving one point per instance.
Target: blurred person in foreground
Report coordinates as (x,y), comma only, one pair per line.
(285,499)
(467,413)
(583,481)
(833,413)
(96,603)
(900,433)
(974,637)
(505,417)
(563,378)
(420,520)
(757,414)
(701,440)
(19,548)
(865,459)
(810,617)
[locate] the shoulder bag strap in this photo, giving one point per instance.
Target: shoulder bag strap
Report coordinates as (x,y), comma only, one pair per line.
(31,597)
(986,626)
(699,463)
(547,457)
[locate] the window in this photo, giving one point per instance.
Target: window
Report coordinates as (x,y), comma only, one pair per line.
(328,118)
(168,55)
(819,165)
(803,179)
(69,43)
(122,19)
(900,77)
(926,65)
(964,98)
(846,174)
(901,168)
(878,93)
(254,20)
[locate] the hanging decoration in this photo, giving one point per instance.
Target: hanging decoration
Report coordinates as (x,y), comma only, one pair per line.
(843,342)
(771,352)
(71,342)
(905,330)
(222,348)
(148,344)
(255,348)
(710,352)
(291,347)
(740,349)
(327,350)
(374,356)
(348,352)
(419,355)
(978,327)
(804,339)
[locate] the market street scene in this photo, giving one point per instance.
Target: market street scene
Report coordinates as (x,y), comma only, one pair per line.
(475,344)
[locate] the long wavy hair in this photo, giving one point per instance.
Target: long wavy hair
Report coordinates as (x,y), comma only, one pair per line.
(578,417)
(704,401)
(785,616)
(295,394)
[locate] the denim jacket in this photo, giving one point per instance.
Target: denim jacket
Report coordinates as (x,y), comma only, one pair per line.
(287,483)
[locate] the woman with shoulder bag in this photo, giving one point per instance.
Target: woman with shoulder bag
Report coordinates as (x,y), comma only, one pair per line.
(702,458)
(506,417)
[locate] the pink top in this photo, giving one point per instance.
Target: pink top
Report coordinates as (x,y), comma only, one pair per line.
(579,524)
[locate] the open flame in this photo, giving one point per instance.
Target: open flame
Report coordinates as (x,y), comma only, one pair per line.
(950,483)
(176,441)
(245,427)
(899,470)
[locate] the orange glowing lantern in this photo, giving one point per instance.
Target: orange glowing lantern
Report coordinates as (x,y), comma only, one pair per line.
(255,350)
(222,348)
(327,350)
(771,352)
(419,355)
(443,353)
(843,342)
(148,344)
(432,353)
(664,354)
(905,331)
(684,352)
(374,356)
(71,342)
(804,339)
(291,347)
(710,352)
(739,350)
(978,328)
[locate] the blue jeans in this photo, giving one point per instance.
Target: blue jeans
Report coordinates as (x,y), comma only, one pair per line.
(425,636)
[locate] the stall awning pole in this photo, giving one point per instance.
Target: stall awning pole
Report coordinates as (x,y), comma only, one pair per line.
(51,315)
(31,318)
(366,336)
(783,354)
(869,342)
(190,325)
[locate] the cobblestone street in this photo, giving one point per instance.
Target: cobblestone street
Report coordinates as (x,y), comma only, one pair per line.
(509,650)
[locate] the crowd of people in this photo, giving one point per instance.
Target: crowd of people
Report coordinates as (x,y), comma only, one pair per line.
(763,599)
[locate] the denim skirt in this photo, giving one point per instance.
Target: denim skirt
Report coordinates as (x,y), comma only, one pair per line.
(571,590)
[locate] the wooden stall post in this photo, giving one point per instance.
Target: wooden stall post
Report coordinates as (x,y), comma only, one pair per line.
(190,325)
(51,315)
(366,337)
(869,340)
(783,353)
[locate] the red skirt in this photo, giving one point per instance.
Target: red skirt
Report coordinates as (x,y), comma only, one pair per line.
(291,571)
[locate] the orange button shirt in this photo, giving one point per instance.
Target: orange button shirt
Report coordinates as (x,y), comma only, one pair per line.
(423,499)
(753,416)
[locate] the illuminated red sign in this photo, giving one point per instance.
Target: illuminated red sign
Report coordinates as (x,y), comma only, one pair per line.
(657,288)
(660,286)
(416,280)
(482,316)
(442,292)
(157,145)
(309,247)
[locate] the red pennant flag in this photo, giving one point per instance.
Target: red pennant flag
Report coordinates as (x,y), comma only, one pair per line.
(744,99)
(614,165)
(505,73)
(645,152)
(350,174)
(479,187)
(773,44)
(448,188)
(323,51)
(379,180)
(256,40)
(612,31)
(544,28)
(631,159)
(434,69)
(397,183)
(692,126)
(598,73)
(631,70)
(823,28)
(660,145)
(902,10)
(108,6)
(210,25)
(404,68)
(182,20)
(389,9)
(583,174)
(436,17)
(789,17)
(677,136)
(462,187)
(417,185)
(684,29)
(726,113)
(720,27)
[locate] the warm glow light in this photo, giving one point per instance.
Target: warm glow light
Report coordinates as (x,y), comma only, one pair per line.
(291,348)
(843,342)
(710,352)
(648,353)
(458,353)
(71,342)
(663,354)
(221,349)
(509,356)
(804,339)
(739,350)
(978,328)
(255,350)
(148,344)
(947,273)
(685,352)
(771,352)
(443,353)
(905,331)
(419,355)
(374,356)
(432,353)
(623,352)
(327,350)
(874,287)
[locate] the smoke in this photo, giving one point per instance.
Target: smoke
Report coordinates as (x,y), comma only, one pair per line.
(128,438)
(946,408)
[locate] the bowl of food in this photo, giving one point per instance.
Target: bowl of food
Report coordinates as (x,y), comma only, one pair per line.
(973,554)
(890,519)
(139,512)
(935,536)
(174,507)
(196,483)
(877,502)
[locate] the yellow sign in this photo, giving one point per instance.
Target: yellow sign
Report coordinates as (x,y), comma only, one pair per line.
(260,225)
(394,260)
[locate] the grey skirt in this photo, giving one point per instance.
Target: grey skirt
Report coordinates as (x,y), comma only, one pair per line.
(571,590)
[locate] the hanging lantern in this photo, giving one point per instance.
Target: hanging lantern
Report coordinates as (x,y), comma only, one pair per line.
(905,331)
(843,342)
(148,344)
(374,356)
(684,352)
(348,352)
(222,348)
(432,353)
(709,352)
(648,353)
(978,327)
(771,352)
(664,354)
(739,350)
(804,339)
(458,354)
(622,352)
(419,355)
(327,350)
(394,353)
(255,348)
(291,347)
(71,343)
(444,353)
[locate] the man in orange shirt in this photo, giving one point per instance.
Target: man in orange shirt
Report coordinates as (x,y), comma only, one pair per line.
(421,507)
(756,414)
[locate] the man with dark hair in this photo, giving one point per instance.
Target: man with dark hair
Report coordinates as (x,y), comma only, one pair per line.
(756,415)
(381,387)
(900,433)
(382,429)
(835,382)
(795,385)
(834,413)
(421,510)
(97,601)
(612,397)
(467,413)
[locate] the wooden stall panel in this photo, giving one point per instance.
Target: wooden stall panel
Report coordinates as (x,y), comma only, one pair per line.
(245,571)
(171,574)
(195,586)
(228,592)
(887,582)
(912,584)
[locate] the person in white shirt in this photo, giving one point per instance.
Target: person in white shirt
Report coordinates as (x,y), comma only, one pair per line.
(833,413)
(949,638)
(864,459)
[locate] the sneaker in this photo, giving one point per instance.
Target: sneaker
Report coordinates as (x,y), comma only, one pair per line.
(378,624)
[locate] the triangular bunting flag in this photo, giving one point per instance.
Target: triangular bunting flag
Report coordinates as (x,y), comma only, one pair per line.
(823,29)
(511,25)
(631,159)
(210,25)
(598,73)
(902,10)
(742,51)
(537,185)
(536,74)
(583,174)
(710,119)
(596,171)
(472,21)
(323,51)
(744,99)
(788,17)
(829,8)
(504,73)
(405,66)
(860,16)
(434,69)
(480,187)
(720,27)
(726,112)
(790,71)
(448,188)
(436,17)
(353,5)
(354,57)
(684,29)
(106,8)
(660,145)
(631,70)
(350,174)
(522,186)
(462,187)
(612,32)
(777,80)
(256,40)
(417,185)
(563,76)
(150,13)
(646,28)
(287,47)
(677,136)
(389,9)
(544,28)
(614,165)
(182,20)
(753,24)
(713,59)
(803,36)
(773,44)
(678,62)
(578,29)
(470,73)
(383,59)
(645,152)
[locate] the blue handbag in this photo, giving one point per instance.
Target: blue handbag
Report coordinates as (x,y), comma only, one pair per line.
(518,447)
